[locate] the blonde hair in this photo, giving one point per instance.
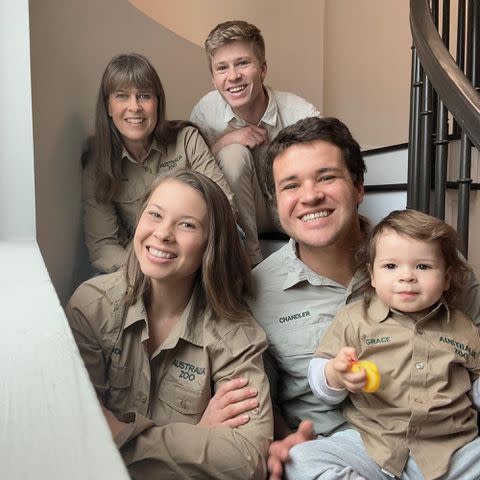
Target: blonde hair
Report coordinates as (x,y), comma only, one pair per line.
(225,276)
(422,227)
(235,30)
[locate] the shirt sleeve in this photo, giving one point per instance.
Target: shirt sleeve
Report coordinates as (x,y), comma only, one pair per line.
(101,229)
(468,300)
(202,160)
(302,108)
(312,112)
(86,340)
(319,386)
(475,394)
(338,335)
(199,118)
(180,450)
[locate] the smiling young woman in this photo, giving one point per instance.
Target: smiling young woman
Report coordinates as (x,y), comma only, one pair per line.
(132,144)
(169,339)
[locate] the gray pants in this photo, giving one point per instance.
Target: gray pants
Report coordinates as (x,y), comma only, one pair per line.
(343,457)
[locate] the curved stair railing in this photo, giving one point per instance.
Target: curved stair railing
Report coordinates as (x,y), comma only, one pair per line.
(440,85)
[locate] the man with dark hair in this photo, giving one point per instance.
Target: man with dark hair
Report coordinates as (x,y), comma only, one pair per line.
(239,119)
(314,169)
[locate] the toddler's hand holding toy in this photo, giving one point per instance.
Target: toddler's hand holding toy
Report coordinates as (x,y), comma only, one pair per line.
(346,371)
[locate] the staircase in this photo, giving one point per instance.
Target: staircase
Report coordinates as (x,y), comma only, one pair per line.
(445,107)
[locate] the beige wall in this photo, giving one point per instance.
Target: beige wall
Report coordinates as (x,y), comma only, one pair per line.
(367,68)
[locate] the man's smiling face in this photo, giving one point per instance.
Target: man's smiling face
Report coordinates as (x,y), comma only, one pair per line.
(238,76)
(316,196)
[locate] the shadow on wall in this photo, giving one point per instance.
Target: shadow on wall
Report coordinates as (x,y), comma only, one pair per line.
(56,201)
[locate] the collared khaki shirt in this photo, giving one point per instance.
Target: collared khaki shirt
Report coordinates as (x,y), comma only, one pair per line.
(422,407)
(165,395)
(109,226)
(215,118)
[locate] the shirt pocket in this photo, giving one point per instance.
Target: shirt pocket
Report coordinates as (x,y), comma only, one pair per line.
(120,392)
(180,403)
(128,202)
(299,341)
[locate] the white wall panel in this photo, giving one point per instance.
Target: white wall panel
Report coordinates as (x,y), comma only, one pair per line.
(17,207)
(51,426)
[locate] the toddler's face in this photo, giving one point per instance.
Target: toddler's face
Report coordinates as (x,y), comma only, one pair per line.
(408,275)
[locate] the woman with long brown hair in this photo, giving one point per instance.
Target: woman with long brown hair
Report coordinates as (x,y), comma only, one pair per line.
(160,336)
(133,143)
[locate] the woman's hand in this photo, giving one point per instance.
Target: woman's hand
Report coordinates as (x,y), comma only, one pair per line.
(278,453)
(115,425)
(230,404)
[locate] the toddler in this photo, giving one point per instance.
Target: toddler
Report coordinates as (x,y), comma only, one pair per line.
(421,423)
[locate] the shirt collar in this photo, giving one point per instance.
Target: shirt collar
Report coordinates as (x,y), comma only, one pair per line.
(269,117)
(135,313)
(297,271)
(378,311)
(190,325)
(271,113)
(153,146)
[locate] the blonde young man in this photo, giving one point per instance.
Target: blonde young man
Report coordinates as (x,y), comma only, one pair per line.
(241,117)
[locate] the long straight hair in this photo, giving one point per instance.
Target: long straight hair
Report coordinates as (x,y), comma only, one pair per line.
(225,275)
(104,149)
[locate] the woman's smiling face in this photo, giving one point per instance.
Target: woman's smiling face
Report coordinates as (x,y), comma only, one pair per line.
(134,113)
(171,235)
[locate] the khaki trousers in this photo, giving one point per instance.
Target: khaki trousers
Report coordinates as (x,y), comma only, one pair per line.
(255,215)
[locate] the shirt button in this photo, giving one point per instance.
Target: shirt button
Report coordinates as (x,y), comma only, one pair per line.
(255,411)
(419,365)
(420,331)
(183,403)
(413,430)
(142,397)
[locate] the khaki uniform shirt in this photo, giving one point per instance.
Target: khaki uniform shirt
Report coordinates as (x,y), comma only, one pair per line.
(295,306)
(109,226)
(422,407)
(164,396)
(216,118)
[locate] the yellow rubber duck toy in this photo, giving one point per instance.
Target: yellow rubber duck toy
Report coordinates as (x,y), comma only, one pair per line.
(373,375)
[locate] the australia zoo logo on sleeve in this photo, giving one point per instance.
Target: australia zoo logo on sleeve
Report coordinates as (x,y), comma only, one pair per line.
(186,370)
